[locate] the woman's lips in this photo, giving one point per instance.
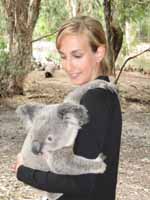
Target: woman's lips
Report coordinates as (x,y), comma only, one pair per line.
(74,75)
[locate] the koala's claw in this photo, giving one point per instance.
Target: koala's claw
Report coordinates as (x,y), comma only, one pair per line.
(102,165)
(102,156)
(44,198)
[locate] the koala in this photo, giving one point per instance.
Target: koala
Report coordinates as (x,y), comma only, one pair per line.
(52,130)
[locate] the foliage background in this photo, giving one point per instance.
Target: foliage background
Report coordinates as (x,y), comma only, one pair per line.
(54,12)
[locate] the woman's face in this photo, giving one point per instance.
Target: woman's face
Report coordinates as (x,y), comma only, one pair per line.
(78,60)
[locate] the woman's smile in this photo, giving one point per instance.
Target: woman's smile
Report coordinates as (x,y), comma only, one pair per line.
(75,75)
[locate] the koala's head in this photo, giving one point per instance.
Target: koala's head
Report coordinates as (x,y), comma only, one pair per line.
(52,126)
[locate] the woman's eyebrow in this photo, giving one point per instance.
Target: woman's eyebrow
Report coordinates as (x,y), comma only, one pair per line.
(76,51)
(72,52)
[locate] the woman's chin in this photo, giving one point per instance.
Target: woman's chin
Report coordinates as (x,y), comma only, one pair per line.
(78,81)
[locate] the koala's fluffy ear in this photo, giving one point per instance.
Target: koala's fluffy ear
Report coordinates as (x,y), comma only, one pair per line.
(28,112)
(73,113)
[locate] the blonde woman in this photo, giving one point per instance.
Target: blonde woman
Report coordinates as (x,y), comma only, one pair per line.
(82,46)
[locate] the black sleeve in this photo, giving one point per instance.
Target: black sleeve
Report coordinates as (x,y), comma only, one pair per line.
(89,144)
(50,182)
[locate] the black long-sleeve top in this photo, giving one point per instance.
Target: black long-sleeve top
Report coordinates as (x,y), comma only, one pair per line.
(101,134)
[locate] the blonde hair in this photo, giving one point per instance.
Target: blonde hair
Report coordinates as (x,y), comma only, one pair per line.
(93,30)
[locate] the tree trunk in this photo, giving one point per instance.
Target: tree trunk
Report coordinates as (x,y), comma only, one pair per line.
(22,16)
(114,36)
(74,7)
(21,50)
(117,39)
(109,33)
(20,61)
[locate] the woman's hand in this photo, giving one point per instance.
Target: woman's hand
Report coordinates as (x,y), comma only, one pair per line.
(18,163)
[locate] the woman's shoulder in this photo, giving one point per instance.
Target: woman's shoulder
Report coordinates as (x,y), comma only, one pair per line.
(100,100)
(99,95)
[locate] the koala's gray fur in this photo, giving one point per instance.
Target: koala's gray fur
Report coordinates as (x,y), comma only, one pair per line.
(52,130)
(76,95)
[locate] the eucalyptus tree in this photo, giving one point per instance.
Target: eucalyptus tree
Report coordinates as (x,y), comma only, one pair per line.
(21,20)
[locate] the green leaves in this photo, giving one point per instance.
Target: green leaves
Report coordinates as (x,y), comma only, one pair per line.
(131,10)
(52,15)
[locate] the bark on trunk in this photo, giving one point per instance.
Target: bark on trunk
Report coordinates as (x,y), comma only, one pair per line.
(21,51)
(114,36)
(75,7)
(20,62)
(109,33)
(22,16)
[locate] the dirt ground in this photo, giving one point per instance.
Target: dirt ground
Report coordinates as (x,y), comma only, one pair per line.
(134,168)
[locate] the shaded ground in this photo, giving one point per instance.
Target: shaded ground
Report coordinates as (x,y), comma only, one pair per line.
(134,170)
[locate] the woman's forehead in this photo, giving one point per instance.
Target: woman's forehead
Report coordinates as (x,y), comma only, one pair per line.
(74,42)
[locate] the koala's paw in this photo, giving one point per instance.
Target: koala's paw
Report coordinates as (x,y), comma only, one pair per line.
(53,196)
(44,198)
(102,165)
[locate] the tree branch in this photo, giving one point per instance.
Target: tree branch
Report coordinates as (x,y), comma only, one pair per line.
(125,62)
(45,36)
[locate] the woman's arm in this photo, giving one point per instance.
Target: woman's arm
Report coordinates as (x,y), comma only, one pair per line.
(51,182)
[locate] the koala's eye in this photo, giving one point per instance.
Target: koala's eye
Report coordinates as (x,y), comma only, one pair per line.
(49,138)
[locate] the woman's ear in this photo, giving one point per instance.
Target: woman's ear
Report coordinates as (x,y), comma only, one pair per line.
(100,53)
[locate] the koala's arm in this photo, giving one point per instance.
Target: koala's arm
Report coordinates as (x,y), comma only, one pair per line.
(64,161)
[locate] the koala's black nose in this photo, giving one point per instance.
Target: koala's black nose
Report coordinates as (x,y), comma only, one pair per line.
(36,147)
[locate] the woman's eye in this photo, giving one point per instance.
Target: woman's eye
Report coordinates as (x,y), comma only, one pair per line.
(77,56)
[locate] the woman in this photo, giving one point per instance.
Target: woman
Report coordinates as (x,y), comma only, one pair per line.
(82,46)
